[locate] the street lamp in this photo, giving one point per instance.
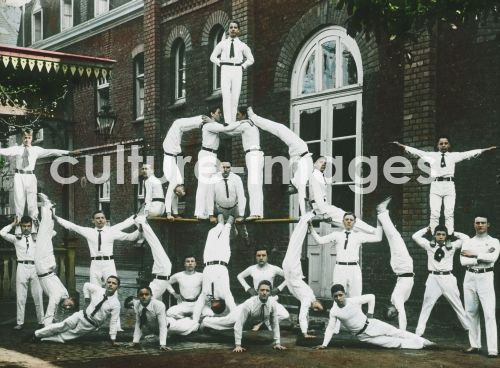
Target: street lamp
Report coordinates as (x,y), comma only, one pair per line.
(106,119)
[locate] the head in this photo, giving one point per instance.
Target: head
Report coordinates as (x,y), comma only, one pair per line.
(146,171)
(218,305)
(215,113)
(68,303)
(99,219)
(440,234)
(391,313)
(26,224)
(349,220)
(180,190)
(261,256)
(234,28)
(112,284)
(189,263)
(443,144)
(129,302)
(264,290)
(225,168)
(481,225)
(27,137)
(320,164)
(338,294)
(241,114)
(144,294)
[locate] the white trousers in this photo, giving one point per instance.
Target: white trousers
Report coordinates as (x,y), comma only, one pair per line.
(183,326)
(337,216)
(230,85)
(435,286)
(173,175)
(100,270)
(72,327)
(154,208)
(385,335)
(25,190)
(479,288)
(158,288)
(55,290)
(185,309)
(26,277)
(255,167)
(442,192)
(350,277)
(400,296)
(223,323)
(207,162)
(301,177)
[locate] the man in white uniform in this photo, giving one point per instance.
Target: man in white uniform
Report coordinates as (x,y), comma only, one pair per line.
(264,271)
(171,150)
(365,327)
(347,244)
(153,197)
(100,305)
(479,255)
(297,150)
(294,276)
(442,190)
(190,283)
(25,273)
(441,280)
(233,56)
(254,159)
(215,275)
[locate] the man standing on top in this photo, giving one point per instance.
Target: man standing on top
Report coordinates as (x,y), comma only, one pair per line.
(153,198)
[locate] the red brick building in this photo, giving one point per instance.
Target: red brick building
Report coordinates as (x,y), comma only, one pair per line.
(346,97)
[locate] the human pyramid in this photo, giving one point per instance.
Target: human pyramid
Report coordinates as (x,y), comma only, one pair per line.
(205,300)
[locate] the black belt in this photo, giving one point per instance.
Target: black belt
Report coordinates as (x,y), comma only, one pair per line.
(26,262)
(171,154)
(102,258)
(209,149)
(347,263)
(303,154)
(45,274)
(188,300)
(480,270)
(408,274)
(313,201)
(89,320)
(363,329)
(227,208)
(232,64)
(24,171)
(442,178)
(441,272)
(162,277)
(252,149)
(216,263)
(158,200)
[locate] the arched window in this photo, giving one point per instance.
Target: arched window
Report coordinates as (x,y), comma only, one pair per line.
(216,35)
(179,52)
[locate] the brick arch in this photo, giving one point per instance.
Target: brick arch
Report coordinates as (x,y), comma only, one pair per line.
(322,15)
(139,49)
(217,17)
(178,32)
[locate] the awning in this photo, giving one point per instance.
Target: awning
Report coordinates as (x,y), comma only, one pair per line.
(43,61)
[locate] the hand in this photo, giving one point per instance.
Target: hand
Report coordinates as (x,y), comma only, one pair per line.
(279,347)
(239,349)
(490,148)
(15,222)
(251,291)
(468,254)
(133,345)
(238,220)
(206,119)
(397,143)
(320,347)
(369,315)
(75,153)
(165,348)
(178,297)
(307,336)
(275,291)
(213,219)
(170,217)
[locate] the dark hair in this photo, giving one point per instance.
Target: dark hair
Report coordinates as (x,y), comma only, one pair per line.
(212,109)
(30,131)
(235,22)
(115,277)
(337,287)
(127,301)
(26,219)
(96,212)
(261,248)
(441,228)
(144,287)
(189,256)
(442,136)
(349,214)
(265,282)
(319,158)
(243,110)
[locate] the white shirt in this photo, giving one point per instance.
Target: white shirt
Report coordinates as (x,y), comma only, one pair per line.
(351,316)
(450,158)
(156,320)
(251,312)
(220,196)
(25,247)
(257,273)
(481,245)
(446,263)
(34,152)
(111,307)
(349,252)
(173,139)
(241,51)
(154,189)
(217,246)
(108,237)
(318,185)
(296,146)
(210,135)
(189,284)
(250,137)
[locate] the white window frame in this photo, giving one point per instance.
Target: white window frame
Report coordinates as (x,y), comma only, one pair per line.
(38,138)
(179,93)
(217,36)
(139,87)
(141,191)
(104,196)
(37,11)
(102,85)
(101,7)
(69,25)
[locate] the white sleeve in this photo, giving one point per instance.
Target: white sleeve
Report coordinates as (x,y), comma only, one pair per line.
(214,57)
(242,275)
(330,329)
(422,242)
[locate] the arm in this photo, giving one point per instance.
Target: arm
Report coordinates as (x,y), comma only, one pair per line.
(247,53)
(113,323)
(9,151)
(466,259)
(238,326)
(4,233)
(457,244)
(137,327)
(214,57)
(279,272)
(241,278)
(467,155)
(215,127)
(491,255)
(304,317)
(322,239)
(162,325)
(240,192)
(88,289)
(276,326)
(422,242)
(81,230)
(373,238)
(330,329)
(43,152)
(169,287)
(120,235)
(366,299)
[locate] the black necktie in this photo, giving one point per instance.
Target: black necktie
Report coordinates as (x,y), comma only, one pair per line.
(346,239)
(231,50)
(98,306)
(262,312)
(227,188)
(27,243)
(143,320)
(443,163)
(439,254)
(25,156)
(99,241)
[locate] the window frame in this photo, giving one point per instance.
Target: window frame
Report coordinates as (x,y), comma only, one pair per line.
(97,9)
(217,34)
(102,85)
(62,15)
(138,87)
(103,200)
(37,11)
(179,89)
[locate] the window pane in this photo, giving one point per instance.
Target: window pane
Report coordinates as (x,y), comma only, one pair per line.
(315,149)
(346,149)
(343,197)
(310,124)
(181,72)
(344,119)
(218,33)
(349,71)
(308,83)
(328,74)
